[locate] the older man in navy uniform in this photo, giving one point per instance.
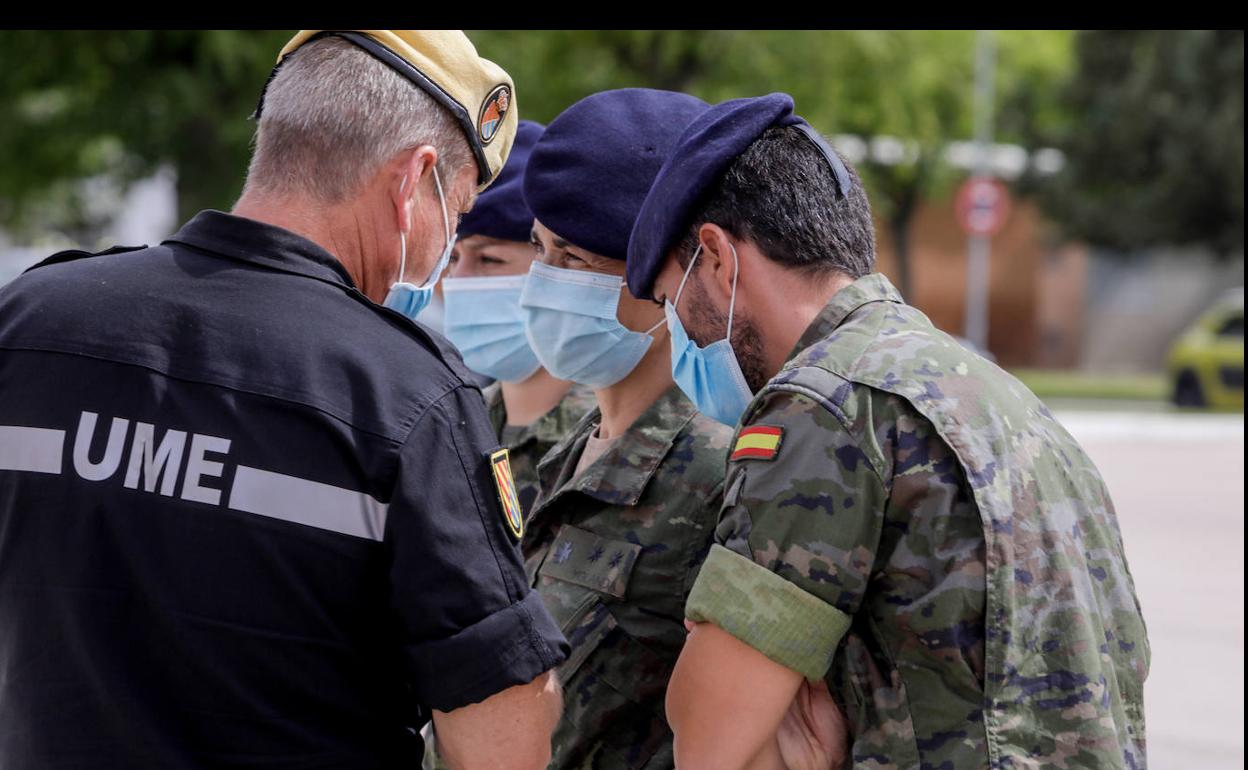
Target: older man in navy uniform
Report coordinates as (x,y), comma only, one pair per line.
(251,515)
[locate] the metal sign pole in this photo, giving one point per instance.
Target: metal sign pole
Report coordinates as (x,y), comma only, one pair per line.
(978,244)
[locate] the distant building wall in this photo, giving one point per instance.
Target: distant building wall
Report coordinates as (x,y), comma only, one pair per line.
(938,276)
(1137,305)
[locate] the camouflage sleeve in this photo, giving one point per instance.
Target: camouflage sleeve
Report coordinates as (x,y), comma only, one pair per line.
(797,536)
(702,541)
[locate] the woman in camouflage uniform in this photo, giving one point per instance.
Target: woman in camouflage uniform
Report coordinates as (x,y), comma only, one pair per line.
(630,496)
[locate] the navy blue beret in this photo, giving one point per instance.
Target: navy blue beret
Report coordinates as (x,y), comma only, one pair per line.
(500,212)
(701,156)
(592,167)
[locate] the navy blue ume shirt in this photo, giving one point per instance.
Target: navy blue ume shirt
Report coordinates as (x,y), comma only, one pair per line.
(247,517)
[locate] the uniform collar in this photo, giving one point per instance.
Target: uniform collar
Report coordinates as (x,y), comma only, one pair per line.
(550,428)
(867,289)
(620,476)
(262,244)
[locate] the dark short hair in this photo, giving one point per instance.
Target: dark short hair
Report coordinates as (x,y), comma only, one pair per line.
(781,195)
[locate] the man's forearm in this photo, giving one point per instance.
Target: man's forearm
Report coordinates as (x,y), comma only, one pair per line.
(725,702)
(508,731)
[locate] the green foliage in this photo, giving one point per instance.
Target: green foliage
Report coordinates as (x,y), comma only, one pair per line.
(1152,122)
(82,103)
(913,85)
(1156,156)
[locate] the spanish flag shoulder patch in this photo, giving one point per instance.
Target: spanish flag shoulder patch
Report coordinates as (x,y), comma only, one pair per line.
(757,442)
(500,464)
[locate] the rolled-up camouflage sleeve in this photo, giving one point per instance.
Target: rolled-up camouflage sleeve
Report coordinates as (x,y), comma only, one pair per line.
(797,536)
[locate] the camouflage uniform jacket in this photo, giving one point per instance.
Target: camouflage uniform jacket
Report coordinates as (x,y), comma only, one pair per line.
(930,540)
(527,445)
(614,552)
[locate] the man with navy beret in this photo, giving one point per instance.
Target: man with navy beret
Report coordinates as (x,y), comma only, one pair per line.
(902,520)
(629,496)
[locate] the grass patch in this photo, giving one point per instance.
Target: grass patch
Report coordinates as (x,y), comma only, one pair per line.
(1056,383)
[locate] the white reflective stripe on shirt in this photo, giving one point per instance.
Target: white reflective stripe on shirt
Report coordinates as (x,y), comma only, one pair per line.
(36,450)
(308,502)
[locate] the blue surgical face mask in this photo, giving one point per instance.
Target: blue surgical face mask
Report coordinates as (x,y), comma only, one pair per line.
(408,298)
(482,317)
(570,320)
(711,377)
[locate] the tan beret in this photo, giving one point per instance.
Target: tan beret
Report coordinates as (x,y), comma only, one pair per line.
(444,64)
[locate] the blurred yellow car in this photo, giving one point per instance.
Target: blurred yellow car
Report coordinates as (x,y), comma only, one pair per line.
(1206,363)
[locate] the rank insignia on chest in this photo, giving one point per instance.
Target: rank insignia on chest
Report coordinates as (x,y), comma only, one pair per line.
(500,464)
(757,442)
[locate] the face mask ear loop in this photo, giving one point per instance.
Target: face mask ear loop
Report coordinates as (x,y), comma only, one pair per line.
(402,239)
(732,303)
(681,288)
(662,321)
(446,228)
(446,220)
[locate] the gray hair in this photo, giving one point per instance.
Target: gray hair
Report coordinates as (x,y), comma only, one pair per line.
(334,115)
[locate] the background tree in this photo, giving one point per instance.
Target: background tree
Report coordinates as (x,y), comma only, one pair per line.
(121,103)
(913,85)
(1155,142)
(1152,122)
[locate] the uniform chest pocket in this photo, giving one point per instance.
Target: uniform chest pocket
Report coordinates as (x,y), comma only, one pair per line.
(581,575)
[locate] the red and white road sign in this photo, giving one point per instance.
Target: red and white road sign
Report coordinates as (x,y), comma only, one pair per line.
(982,206)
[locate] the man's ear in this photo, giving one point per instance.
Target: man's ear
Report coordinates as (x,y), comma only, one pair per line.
(720,262)
(404,177)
